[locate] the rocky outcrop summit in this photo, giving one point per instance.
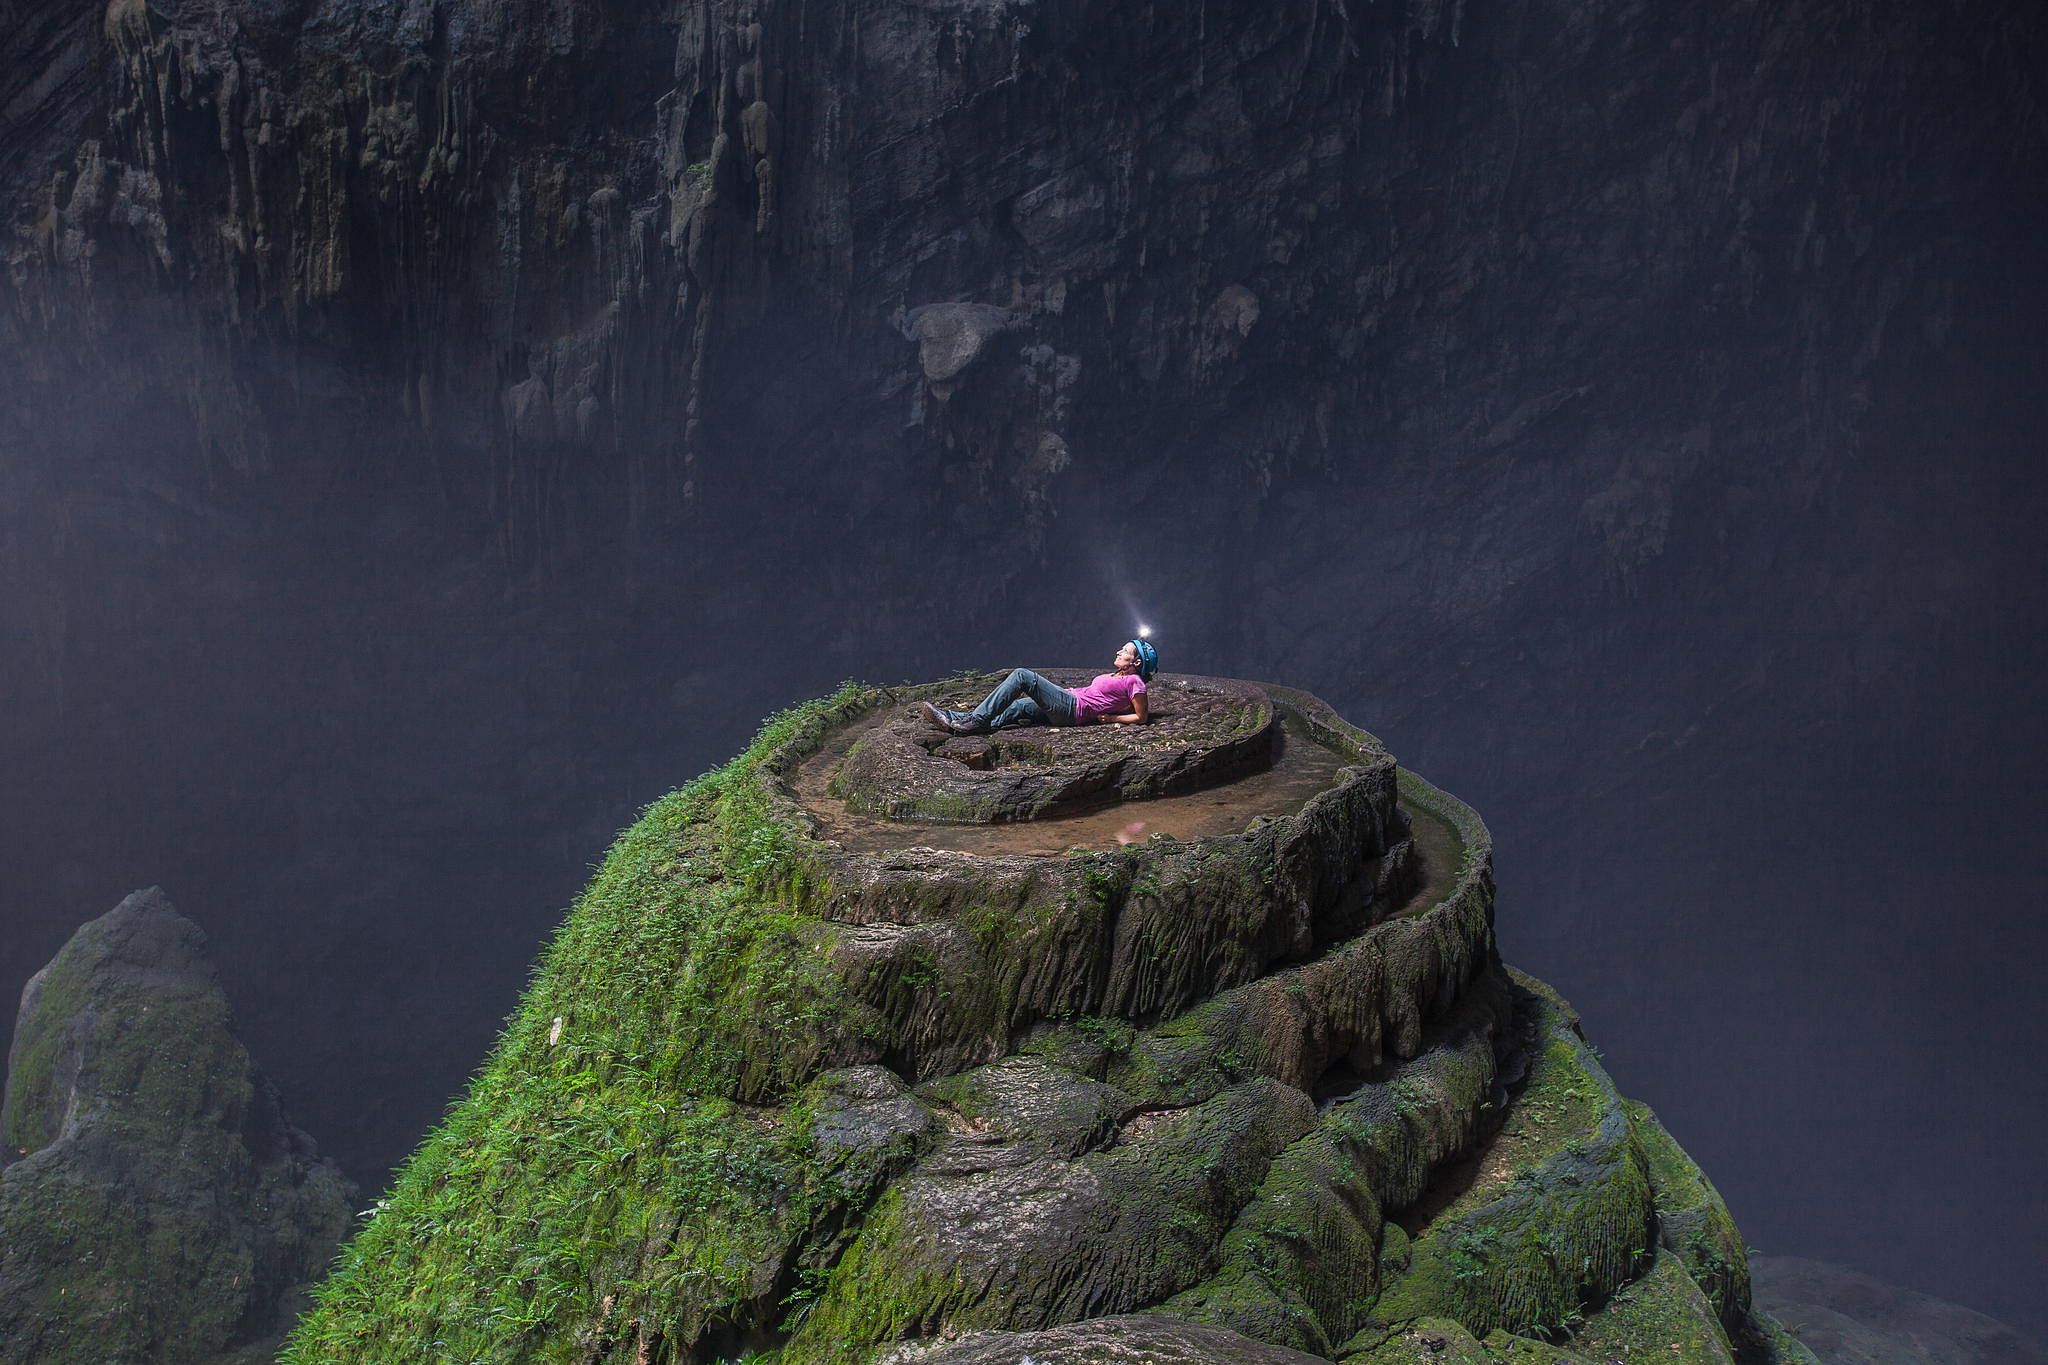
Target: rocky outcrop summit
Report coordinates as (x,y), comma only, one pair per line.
(1201,731)
(801,1082)
(158,1206)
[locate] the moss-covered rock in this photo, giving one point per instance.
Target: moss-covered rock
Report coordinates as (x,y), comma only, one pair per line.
(1300,1265)
(1693,1223)
(159,1208)
(1766,1340)
(1551,1216)
(1029,1100)
(1127,1340)
(953,956)
(776,1097)
(1662,1316)
(1423,1341)
(1002,1235)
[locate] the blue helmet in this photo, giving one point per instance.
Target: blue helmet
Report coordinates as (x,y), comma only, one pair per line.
(1148,659)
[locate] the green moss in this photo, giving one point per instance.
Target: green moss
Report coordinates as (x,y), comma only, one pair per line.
(1557,1212)
(1765,1341)
(1128,1226)
(1312,1235)
(158,1054)
(635,1172)
(1475,841)
(993,930)
(944,807)
(1253,1300)
(35,1109)
(873,1296)
(508,1232)
(1662,1316)
(133,1282)
(143,1225)
(1509,1349)
(1426,1341)
(598,1181)
(1693,1222)
(1113,1036)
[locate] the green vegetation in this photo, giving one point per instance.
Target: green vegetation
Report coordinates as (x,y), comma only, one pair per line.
(1474,840)
(1663,1316)
(658,1155)
(1128,1225)
(600,1180)
(160,1212)
(128,1032)
(1302,1265)
(1581,1223)
(1692,1221)
(131,1279)
(34,1111)
(1558,1213)
(1426,1341)
(875,1297)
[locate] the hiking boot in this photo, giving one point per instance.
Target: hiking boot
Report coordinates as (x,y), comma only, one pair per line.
(952,722)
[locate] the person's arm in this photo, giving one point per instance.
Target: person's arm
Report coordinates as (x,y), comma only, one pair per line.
(1136,717)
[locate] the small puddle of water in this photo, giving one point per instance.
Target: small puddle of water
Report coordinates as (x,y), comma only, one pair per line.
(1302,769)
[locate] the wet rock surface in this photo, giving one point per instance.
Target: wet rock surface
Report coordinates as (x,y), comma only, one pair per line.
(1266,1096)
(1201,731)
(158,1206)
(1012,939)
(1138,1340)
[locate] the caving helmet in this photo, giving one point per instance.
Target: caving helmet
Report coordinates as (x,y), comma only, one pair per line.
(1148,659)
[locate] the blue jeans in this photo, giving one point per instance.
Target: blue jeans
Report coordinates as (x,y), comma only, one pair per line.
(1025,696)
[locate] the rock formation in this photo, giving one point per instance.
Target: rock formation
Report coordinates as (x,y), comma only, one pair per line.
(158,1207)
(1520,330)
(1208,1071)
(582,266)
(1848,1318)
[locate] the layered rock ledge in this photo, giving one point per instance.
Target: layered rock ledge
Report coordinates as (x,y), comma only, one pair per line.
(1176,1044)
(1202,731)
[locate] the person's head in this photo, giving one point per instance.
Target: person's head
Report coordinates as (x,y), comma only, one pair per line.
(1139,657)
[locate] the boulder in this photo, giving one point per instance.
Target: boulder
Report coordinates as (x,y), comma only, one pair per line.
(1848,1318)
(158,1207)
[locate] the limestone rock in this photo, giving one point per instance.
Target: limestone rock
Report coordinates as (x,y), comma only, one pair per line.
(1203,731)
(1264,1093)
(1847,1318)
(159,1207)
(1136,1339)
(951,337)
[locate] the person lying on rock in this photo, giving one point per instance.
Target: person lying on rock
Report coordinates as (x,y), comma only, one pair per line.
(1117,697)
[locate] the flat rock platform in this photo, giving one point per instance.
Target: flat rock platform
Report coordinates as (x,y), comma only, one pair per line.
(896,765)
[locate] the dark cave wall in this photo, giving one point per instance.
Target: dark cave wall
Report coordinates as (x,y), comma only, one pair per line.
(579,264)
(561,272)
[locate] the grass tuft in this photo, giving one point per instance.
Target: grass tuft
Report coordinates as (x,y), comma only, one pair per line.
(604,1179)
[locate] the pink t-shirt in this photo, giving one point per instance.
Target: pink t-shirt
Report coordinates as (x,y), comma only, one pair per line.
(1109,695)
